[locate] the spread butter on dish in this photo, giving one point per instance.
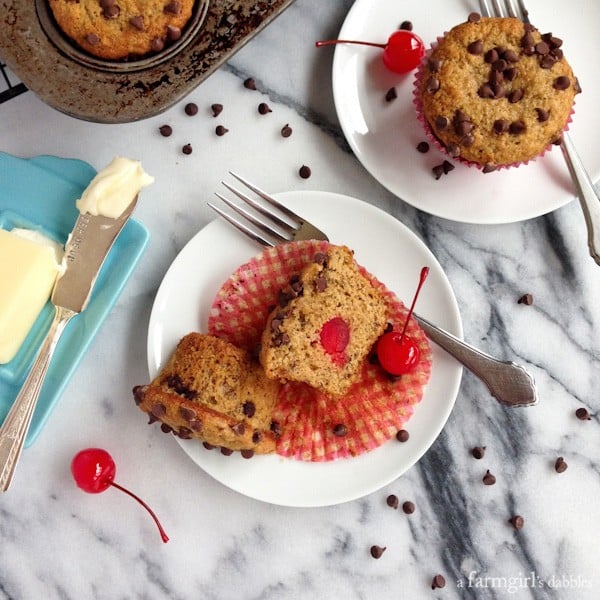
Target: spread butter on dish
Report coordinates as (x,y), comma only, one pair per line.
(113,189)
(29,265)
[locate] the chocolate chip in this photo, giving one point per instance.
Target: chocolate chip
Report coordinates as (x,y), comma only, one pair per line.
(187,149)
(391,94)
(247,453)
(542,48)
(561,83)
(560,465)
(92,39)
(226,451)
(488,478)
(542,115)
(208,446)
(447,167)
(250,84)
(165,428)
(220,130)
(406,26)
(195,424)
(173,8)
(408,507)
(423,147)
(438,171)
(434,64)
(474,17)
(517,521)
(157,44)
(138,22)
(526,299)
(321,283)
(475,47)
(478,452)
(516,127)
(491,56)
(173,33)
(320,258)
(438,582)
(249,409)
(191,109)
(158,410)
(515,96)
(511,73)
(527,41)
(442,123)
(432,85)
(264,108)
(581,413)
(184,433)
(139,391)
(392,501)
(510,56)
(239,428)
(340,430)
(257,436)
(501,126)
(453,150)
(187,414)
(377,551)
(111,12)
(548,61)
(286,131)
(489,168)
(275,428)
(402,435)
(304,172)
(486,91)
(217,109)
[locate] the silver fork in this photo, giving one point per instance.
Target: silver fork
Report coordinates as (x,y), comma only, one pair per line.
(508,382)
(586,192)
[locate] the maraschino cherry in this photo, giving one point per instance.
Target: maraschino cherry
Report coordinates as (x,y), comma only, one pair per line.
(401,54)
(397,352)
(94,471)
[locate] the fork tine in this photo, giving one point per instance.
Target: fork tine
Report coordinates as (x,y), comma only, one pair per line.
(484,8)
(241,227)
(498,11)
(286,211)
(259,208)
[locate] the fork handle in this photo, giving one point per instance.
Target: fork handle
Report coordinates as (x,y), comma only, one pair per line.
(16,425)
(508,382)
(588,196)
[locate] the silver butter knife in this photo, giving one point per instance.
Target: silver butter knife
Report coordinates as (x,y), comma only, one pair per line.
(85,252)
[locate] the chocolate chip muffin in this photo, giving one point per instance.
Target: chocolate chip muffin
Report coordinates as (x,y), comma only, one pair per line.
(122,29)
(328,318)
(495,92)
(215,392)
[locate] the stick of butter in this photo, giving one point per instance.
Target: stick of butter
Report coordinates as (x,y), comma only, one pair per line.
(29,264)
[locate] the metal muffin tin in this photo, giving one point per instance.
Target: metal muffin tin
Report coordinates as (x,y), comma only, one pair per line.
(89,88)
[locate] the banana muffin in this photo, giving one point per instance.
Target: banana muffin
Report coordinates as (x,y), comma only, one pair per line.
(122,29)
(495,92)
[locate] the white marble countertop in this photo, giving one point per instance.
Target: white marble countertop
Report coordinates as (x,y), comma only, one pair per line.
(57,542)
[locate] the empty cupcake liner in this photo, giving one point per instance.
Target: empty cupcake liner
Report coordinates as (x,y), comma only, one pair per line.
(315,426)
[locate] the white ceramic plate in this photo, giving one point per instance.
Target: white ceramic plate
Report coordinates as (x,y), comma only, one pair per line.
(383,135)
(388,250)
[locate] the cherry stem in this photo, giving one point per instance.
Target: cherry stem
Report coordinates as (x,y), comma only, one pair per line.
(422,278)
(332,42)
(163,535)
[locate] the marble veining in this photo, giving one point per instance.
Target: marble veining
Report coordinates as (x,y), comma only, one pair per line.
(59,543)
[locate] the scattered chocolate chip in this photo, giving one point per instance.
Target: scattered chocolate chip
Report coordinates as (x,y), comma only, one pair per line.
(340,430)
(165,428)
(304,172)
(247,453)
(249,409)
(208,446)
(157,44)
(392,501)
(217,109)
(264,108)
(561,83)
(391,94)
(321,283)
(475,47)
(406,26)
(527,40)
(165,130)
(226,451)
(423,147)
(432,85)
(187,149)
(453,150)
(158,410)
(511,73)
(478,452)
(516,127)
(438,582)
(515,96)
(184,433)
(548,61)
(286,131)
(488,478)
(582,414)
(486,91)
(577,86)
(542,115)
(173,8)
(474,17)
(92,39)
(526,299)
(501,126)
(491,56)
(434,64)
(191,109)
(438,171)
(250,84)
(173,33)
(239,428)
(489,168)
(111,12)
(257,437)
(447,166)
(542,48)
(402,435)
(187,414)
(442,123)
(517,522)
(138,22)
(560,465)
(220,130)
(377,551)
(510,56)
(408,507)
(139,391)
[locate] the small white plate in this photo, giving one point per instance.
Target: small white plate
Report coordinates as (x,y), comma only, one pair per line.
(383,135)
(392,253)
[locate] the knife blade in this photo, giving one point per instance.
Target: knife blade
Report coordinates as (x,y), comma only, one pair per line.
(86,249)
